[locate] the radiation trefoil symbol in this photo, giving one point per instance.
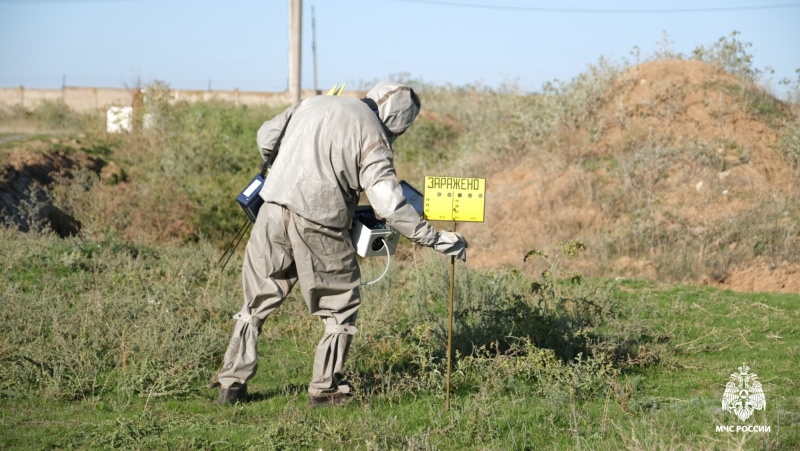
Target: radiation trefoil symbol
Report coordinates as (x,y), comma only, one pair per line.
(743,394)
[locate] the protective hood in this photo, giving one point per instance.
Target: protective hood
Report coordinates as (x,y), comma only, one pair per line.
(397,106)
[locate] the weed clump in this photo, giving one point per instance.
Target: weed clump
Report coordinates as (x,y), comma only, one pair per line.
(558,335)
(84,319)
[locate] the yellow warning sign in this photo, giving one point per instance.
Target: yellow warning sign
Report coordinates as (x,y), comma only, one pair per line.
(454,199)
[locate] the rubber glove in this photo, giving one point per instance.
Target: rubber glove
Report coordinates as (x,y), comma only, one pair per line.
(451,243)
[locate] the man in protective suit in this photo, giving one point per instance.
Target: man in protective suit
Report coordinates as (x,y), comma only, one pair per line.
(330,149)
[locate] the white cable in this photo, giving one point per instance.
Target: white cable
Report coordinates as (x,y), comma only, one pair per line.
(388,260)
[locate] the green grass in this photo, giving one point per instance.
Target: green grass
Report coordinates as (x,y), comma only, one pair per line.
(125,337)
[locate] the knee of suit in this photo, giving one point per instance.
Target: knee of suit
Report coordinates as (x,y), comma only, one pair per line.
(248,318)
(340,329)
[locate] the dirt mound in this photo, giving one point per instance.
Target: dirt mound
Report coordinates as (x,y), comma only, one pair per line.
(689,142)
(25,180)
(689,102)
(680,100)
(46,167)
(760,276)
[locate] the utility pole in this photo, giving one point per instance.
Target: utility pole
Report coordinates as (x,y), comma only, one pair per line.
(295,32)
(314,45)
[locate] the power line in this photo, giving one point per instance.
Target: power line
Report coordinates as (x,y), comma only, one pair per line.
(604,10)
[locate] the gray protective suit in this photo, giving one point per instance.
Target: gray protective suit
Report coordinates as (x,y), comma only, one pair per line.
(330,150)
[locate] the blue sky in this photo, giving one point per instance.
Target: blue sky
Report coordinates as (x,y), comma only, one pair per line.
(194,44)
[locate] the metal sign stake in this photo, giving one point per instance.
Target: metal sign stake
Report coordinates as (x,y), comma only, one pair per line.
(453,199)
(450,327)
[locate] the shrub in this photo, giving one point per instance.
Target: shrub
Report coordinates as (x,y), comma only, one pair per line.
(557,334)
(82,319)
(731,55)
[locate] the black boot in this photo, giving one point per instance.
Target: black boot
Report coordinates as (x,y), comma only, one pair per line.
(328,399)
(233,394)
(340,395)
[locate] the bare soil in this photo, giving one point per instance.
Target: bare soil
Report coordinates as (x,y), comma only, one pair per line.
(533,204)
(25,178)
